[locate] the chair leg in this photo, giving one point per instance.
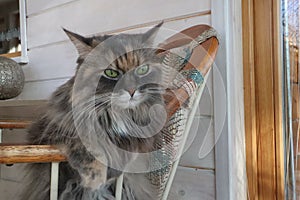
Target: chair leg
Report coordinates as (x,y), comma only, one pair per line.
(54,181)
(0,135)
(119,186)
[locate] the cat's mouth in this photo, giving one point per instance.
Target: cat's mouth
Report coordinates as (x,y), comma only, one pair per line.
(130,98)
(127,99)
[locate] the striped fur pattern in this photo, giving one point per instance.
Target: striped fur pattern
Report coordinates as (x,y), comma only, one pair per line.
(107,103)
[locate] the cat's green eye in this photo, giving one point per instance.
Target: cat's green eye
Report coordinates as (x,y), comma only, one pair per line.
(111,73)
(142,70)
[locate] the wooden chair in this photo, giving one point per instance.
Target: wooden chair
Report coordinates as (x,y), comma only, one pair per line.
(202,58)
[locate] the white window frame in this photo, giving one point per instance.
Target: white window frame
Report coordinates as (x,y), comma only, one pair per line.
(23,36)
(231,182)
(24,56)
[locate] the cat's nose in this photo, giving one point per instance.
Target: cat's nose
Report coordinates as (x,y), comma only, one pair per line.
(131,92)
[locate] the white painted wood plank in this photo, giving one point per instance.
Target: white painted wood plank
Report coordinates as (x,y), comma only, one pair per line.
(51,62)
(39,90)
(37,6)
(180,24)
(94,16)
(172,27)
(191,184)
(14,136)
(199,148)
(9,190)
(206,101)
(16,111)
(59,60)
(12,173)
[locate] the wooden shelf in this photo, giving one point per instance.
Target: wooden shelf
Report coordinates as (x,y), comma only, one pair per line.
(10,124)
(10,154)
(11,55)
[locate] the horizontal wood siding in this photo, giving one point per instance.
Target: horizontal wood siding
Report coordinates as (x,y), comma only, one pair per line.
(39,90)
(35,7)
(199,148)
(7,190)
(58,60)
(52,61)
(52,57)
(192,184)
(12,173)
(95,16)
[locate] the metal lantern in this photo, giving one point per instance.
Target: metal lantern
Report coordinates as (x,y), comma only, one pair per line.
(11,78)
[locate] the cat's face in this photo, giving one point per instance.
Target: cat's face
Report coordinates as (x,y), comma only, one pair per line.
(130,88)
(123,75)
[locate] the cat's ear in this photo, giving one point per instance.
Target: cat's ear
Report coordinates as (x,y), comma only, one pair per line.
(81,43)
(150,35)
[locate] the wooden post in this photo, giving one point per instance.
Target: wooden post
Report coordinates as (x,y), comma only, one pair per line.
(263,99)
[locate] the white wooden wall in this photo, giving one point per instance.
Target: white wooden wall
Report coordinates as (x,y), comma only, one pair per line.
(52,62)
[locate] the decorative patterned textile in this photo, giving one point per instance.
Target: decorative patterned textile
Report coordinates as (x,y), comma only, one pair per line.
(189,80)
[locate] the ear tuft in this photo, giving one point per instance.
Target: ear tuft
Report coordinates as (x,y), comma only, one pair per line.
(80,42)
(150,35)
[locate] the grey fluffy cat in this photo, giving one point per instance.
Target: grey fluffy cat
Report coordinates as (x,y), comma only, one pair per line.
(107,103)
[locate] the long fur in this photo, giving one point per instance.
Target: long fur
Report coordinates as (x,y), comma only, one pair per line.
(83,118)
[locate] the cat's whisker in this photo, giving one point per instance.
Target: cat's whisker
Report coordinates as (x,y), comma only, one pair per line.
(66,126)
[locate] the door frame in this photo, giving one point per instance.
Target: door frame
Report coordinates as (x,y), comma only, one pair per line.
(263,94)
(228,102)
